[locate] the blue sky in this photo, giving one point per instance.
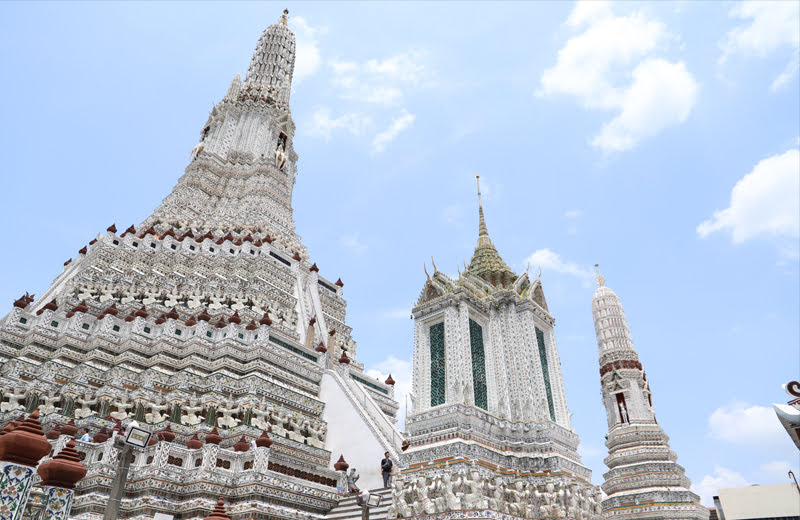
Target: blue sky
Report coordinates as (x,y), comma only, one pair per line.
(658,139)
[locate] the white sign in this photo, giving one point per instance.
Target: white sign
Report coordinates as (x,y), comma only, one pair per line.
(162,516)
(137,437)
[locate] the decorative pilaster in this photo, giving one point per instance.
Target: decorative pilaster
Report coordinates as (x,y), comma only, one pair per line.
(20,451)
(261,459)
(59,476)
(210,452)
(58,502)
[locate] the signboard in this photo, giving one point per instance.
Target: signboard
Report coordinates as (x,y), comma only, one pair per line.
(137,437)
(374,500)
(162,516)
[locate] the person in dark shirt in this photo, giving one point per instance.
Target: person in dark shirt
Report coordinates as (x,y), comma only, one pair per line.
(386,469)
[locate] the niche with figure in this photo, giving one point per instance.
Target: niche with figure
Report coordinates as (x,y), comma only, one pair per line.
(622,409)
(280,152)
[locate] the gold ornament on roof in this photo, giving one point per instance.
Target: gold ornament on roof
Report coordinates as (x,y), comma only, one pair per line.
(600,279)
(285,17)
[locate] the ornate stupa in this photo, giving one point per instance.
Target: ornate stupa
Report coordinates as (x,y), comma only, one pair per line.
(207,315)
(644,481)
(490,432)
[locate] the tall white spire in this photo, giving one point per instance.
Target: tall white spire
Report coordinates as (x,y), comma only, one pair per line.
(242,172)
(644,480)
(272,65)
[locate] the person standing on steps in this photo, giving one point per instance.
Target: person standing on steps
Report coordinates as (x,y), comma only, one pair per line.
(386,469)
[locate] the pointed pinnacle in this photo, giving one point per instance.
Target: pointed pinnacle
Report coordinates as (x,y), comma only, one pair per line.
(482,230)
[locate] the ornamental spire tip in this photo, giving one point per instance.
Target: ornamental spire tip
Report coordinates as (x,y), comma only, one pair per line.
(285,17)
(483,232)
(600,279)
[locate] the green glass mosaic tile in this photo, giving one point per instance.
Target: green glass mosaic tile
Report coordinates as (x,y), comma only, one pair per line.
(370,384)
(478,364)
(437,364)
(545,372)
(293,349)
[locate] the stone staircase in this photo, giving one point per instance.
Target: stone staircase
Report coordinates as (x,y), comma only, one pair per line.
(347,509)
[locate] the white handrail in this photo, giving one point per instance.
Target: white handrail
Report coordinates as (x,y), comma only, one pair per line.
(376,419)
(386,425)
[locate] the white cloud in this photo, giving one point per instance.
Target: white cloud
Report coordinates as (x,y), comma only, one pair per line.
(740,423)
(589,11)
(786,76)
(662,95)
(323,125)
(401,373)
(776,471)
(552,261)
(400,123)
(722,478)
(610,66)
(586,64)
(379,81)
(772,25)
(307,56)
(763,202)
(353,243)
(573,213)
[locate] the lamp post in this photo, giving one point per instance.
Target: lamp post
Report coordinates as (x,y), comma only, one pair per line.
(134,437)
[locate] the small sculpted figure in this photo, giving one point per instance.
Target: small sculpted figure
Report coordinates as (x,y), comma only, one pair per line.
(352,478)
(155,415)
(15,395)
(523,496)
(122,408)
(197,149)
(86,407)
(228,420)
(450,500)
(192,417)
(400,499)
(293,427)
(496,492)
(422,499)
(474,498)
(259,418)
(280,156)
(50,401)
(278,419)
(311,434)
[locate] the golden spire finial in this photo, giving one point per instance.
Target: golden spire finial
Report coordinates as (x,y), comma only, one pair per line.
(285,17)
(600,279)
(483,233)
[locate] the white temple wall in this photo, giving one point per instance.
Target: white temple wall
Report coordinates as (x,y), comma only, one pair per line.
(349,435)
